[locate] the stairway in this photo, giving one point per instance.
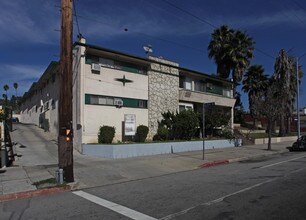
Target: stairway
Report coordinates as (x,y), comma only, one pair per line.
(245,140)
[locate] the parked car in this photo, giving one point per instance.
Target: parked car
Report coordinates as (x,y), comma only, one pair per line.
(300,144)
(16,120)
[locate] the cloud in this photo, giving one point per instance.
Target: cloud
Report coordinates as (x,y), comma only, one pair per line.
(29,21)
(157,20)
(24,75)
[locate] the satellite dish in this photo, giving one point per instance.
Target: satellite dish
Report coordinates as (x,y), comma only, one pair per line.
(148,49)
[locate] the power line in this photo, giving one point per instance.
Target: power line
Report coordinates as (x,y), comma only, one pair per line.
(76,18)
(262,52)
(189,13)
(147,35)
(208,23)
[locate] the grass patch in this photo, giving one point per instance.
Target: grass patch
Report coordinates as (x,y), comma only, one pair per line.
(47,183)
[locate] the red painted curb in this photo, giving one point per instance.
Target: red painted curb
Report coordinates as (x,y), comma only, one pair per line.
(34,193)
(215,163)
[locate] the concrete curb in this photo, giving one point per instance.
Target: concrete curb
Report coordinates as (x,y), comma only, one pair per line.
(239,159)
(214,163)
(33,193)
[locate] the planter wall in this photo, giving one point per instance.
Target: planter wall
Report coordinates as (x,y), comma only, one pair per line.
(136,150)
(274,140)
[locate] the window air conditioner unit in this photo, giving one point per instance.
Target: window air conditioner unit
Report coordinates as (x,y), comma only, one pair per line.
(95,67)
(118,103)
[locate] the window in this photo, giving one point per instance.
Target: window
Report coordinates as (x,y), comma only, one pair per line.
(102,101)
(114,64)
(181,81)
(53,104)
(46,106)
(227,92)
(209,86)
(181,108)
(110,101)
(185,106)
(142,104)
(199,86)
(94,100)
(187,83)
(53,77)
(106,62)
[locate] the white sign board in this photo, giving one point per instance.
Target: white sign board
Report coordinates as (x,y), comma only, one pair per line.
(129,124)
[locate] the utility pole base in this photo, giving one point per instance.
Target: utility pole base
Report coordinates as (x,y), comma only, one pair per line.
(65,152)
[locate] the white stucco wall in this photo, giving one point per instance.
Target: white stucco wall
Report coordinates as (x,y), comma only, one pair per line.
(97,116)
(105,83)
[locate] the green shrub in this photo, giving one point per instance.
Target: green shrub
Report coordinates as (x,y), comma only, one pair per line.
(162,134)
(141,133)
(106,134)
(228,134)
(185,125)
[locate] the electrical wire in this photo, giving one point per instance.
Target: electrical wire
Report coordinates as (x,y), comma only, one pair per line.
(76,18)
(190,14)
(208,23)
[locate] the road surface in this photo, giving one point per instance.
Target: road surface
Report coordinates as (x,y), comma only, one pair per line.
(267,188)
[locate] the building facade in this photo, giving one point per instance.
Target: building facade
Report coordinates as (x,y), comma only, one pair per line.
(124,91)
(39,105)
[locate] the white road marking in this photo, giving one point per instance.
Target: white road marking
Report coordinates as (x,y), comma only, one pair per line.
(285,161)
(113,206)
(223,197)
(216,200)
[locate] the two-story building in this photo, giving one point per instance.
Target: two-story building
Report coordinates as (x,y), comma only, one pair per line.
(121,90)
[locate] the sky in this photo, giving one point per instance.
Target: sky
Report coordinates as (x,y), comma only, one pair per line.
(178,30)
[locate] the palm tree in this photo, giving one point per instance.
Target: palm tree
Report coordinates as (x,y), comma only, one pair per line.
(241,54)
(232,51)
(15,87)
(6,87)
(284,72)
(219,48)
(254,83)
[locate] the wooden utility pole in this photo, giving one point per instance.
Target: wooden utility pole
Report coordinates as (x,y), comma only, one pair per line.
(65,143)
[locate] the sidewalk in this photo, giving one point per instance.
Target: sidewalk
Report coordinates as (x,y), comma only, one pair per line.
(37,161)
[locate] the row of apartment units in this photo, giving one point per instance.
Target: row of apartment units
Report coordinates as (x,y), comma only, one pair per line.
(122,90)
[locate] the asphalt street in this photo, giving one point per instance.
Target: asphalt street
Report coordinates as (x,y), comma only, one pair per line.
(267,188)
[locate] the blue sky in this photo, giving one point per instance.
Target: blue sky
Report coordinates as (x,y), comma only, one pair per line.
(29,38)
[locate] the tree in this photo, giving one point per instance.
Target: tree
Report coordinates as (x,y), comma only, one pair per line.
(268,104)
(218,49)
(254,83)
(232,51)
(6,87)
(284,72)
(238,109)
(181,126)
(186,124)
(215,119)
(15,87)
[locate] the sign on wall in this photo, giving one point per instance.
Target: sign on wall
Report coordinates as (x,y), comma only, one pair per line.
(129,124)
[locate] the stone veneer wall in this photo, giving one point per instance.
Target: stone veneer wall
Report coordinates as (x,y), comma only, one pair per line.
(163,91)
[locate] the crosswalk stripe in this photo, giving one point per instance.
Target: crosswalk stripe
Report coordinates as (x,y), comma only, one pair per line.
(113,206)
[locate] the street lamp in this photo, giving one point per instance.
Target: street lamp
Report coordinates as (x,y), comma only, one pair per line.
(298,96)
(297,99)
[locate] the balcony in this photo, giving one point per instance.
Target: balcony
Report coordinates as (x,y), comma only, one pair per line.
(200,97)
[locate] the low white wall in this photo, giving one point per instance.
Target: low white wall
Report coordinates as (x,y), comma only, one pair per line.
(246,131)
(136,150)
(275,140)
